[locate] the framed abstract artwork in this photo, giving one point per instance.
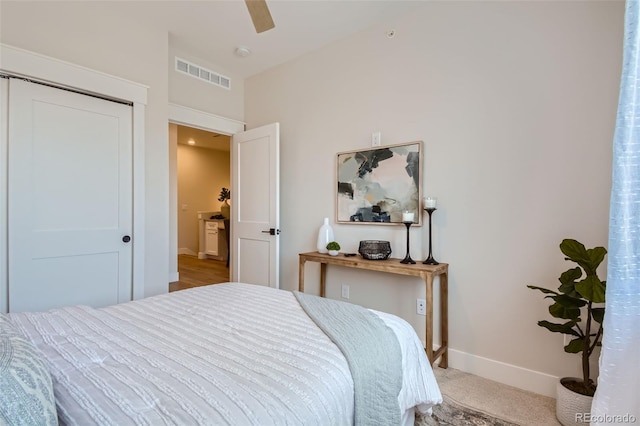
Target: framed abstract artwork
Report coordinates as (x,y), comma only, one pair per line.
(377,185)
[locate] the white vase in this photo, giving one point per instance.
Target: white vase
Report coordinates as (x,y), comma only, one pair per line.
(571,407)
(334,252)
(325,236)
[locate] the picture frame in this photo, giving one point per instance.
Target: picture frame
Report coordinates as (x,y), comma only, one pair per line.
(376,185)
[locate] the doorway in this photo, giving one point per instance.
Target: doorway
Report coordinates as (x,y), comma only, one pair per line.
(189,117)
(202,161)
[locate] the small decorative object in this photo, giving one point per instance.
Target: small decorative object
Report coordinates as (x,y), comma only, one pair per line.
(325,235)
(430,207)
(407,216)
(334,248)
(430,203)
(581,292)
(374,249)
(407,223)
(377,185)
(225,209)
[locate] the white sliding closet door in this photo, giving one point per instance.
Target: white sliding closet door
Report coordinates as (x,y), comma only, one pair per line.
(69,199)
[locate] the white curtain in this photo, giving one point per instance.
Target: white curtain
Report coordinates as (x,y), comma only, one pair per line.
(617,399)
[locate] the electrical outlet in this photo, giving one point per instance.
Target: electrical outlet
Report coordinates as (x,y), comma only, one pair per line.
(345,291)
(376,138)
(421,307)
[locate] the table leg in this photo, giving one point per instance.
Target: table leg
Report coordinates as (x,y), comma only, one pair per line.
(301,275)
(444,318)
(323,278)
(429,318)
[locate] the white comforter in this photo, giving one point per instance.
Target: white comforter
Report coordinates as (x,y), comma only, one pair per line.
(226,354)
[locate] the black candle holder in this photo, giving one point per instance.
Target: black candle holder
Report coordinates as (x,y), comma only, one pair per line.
(430,260)
(407,258)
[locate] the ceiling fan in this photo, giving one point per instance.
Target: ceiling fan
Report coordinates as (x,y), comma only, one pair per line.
(260,15)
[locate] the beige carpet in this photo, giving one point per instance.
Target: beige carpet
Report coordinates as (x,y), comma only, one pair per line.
(495,399)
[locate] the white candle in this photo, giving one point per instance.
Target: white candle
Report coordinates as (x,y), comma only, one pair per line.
(407,217)
(429,203)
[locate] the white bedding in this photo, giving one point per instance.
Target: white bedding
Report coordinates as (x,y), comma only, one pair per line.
(235,354)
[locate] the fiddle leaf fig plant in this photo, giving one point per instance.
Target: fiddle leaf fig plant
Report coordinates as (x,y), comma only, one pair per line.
(225,194)
(580,295)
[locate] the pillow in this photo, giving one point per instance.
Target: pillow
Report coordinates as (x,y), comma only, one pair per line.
(26,396)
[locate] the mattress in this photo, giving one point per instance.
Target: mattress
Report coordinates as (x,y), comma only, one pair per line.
(225,354)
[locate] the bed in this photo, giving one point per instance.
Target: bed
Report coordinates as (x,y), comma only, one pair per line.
(225,354)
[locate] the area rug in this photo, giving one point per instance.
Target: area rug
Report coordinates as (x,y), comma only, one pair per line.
(452,413)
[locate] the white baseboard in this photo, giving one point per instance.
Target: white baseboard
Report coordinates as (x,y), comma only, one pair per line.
(523,378)
(185,250)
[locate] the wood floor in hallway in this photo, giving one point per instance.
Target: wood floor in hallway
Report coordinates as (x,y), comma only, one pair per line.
(196,272)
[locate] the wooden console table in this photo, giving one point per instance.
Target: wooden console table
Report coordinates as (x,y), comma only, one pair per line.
(393,266)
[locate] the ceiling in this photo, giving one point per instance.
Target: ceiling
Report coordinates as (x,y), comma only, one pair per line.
(213,29)
(203,139)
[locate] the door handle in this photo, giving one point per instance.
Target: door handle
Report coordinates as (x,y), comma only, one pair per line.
(272,231)
(126,239)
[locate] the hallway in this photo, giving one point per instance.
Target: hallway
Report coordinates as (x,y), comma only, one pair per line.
(196,272)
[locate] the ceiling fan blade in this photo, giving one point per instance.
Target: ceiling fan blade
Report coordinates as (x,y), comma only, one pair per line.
(260,15)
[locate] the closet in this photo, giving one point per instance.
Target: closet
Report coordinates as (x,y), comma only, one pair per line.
(69,204)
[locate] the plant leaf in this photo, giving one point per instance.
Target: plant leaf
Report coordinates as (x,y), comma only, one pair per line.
(566,328)
(592,289)
(558,310)
(570,275)
(569,301)
(589,260)
(576,252)
(575,346)
(544,290)
(568,280)
(596,256)
(598,314)
(566,307)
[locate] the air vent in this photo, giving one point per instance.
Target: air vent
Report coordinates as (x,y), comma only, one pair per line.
(201,73)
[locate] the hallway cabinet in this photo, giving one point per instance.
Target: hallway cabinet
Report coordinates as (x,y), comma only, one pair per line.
(215,245)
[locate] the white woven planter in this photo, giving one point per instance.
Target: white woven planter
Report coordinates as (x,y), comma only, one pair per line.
(571,407)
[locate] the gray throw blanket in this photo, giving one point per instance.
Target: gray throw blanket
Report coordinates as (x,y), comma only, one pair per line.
(372,352)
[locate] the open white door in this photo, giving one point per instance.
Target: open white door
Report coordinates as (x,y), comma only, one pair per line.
(255,207)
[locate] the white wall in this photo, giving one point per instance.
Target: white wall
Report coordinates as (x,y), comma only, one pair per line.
(516,105)
(203,96)
(112,38)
